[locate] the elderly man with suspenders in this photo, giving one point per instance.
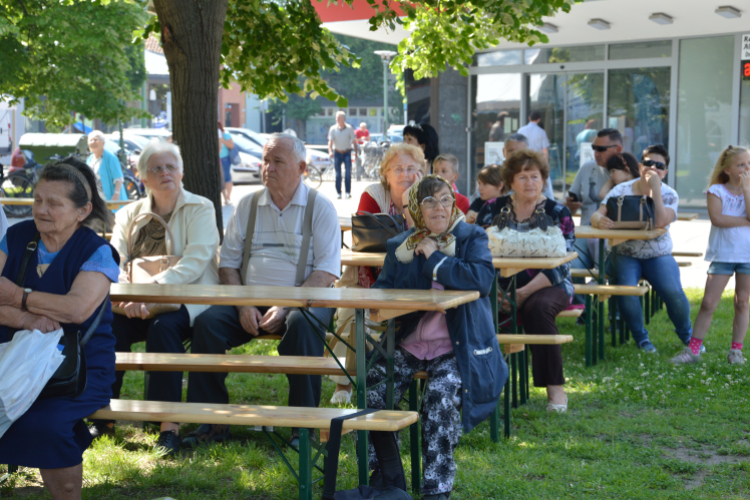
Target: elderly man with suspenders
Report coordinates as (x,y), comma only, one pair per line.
(283,235)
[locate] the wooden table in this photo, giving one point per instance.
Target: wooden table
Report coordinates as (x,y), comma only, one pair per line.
(390,302)
(686,216)
(345,222)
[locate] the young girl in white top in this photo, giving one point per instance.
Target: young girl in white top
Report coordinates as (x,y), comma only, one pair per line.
(728,251)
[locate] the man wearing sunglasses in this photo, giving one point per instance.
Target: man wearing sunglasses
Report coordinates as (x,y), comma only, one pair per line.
(588,182)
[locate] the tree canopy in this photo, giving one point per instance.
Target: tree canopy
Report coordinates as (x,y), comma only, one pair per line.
(65,56)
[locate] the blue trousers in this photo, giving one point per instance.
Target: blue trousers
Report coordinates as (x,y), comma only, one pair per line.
(664,276)
(346,159)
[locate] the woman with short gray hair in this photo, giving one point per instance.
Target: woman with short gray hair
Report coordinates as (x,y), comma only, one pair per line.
(192,223)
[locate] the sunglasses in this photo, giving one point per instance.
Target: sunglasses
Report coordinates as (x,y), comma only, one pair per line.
(656,164)
(601,149)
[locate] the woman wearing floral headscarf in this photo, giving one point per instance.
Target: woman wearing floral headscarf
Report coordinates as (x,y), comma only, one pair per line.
(458,349)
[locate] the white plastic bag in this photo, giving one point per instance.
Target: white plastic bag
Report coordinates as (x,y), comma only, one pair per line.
(26,364)
(533,243)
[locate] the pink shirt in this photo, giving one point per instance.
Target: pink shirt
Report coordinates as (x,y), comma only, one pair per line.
(430,339)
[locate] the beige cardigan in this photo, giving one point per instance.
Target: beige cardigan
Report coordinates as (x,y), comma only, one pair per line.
(193,224)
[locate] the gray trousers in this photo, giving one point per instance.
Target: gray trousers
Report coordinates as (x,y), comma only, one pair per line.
(440,416)
(218,329)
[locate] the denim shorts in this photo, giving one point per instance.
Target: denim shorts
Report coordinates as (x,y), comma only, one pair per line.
(728,268)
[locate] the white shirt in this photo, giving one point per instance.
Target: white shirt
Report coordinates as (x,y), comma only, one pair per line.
(277,242)
(729,244)
(536,136)
(589,180)
(646,249)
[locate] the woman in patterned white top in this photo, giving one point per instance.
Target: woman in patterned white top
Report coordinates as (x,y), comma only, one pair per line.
(649,259)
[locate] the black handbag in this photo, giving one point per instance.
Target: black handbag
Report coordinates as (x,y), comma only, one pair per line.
(69,380)
(631,212)
(371,231)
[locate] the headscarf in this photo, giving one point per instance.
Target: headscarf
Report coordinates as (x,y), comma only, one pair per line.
(446,241)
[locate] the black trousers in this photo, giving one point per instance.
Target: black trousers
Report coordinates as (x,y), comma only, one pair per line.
(164,333)
(539,313)
(219,329)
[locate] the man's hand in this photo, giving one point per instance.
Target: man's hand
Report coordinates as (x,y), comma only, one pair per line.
(426,247)
(41,323)
(249,319)
(653,180)
(135,309)
(274,320)
(573,206)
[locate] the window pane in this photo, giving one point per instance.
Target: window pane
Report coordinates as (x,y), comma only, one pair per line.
(564,54)
(495,113)
(638,106)
(583,118)
(499,58)
(704,118)
(547,95)
(659,48)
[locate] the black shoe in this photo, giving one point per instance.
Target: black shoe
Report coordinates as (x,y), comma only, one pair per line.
(206,434)
(168,444)
(440,496)
(102,428)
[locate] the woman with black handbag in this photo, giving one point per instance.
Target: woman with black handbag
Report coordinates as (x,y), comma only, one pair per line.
(402,166)
(649,259)
(68,271)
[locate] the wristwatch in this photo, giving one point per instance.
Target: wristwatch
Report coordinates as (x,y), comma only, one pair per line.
(26,292)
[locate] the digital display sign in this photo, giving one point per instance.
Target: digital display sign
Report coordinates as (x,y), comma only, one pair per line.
(745,70)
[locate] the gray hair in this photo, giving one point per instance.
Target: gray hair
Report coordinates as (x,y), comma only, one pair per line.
(156,146)
(517,138)
(298,147)
(97,134)
(340,113)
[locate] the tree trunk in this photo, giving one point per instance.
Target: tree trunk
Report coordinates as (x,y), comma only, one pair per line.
(191,34)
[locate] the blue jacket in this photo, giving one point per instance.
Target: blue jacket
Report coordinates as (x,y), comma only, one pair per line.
(480,361)
(109,170)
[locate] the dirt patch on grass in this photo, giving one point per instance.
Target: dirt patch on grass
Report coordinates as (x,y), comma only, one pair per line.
(703,456)
(697,481)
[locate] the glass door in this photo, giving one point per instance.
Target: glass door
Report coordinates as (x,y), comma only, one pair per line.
(572,108)
(546,94)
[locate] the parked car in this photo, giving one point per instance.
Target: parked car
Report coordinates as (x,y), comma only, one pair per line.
(316,158)
(134,145)
(149,133)
(248,170)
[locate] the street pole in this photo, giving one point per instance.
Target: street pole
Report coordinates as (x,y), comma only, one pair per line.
(385,97)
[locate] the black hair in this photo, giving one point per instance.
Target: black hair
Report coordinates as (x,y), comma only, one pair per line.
(427,135)
(535,115)
(626,162)
(657,149)
(99,212)
(613,134)
(431,185)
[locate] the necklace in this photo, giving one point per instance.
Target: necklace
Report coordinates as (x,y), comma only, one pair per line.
(733,189)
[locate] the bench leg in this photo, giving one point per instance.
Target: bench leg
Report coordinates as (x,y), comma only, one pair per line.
(495,423)
(514,378)
(506,412)
(416,462)
(305,465)
(522,376)
(590,353)
(361,346)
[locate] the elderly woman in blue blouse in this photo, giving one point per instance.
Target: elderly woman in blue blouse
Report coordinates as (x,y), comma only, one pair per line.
(541,294)
(458,349)
(68,279)
(106,167)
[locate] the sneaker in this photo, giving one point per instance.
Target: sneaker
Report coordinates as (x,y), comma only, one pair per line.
(102,428)
(347,196)
(735,357)
(702,350)
(647,346)
(339,196)
(341,397)
(206,434)
(685,356)
(168,444)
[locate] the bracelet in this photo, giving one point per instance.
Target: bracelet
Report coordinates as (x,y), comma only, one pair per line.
(23,301)
(405,206)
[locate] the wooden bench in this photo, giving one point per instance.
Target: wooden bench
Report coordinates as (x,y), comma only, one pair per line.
(687,254)
(265,417)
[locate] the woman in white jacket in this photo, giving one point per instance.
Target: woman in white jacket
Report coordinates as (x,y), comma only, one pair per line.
(192,222)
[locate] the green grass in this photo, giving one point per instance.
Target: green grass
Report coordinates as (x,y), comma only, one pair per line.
(637,428)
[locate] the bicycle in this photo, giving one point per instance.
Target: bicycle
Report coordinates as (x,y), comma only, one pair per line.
(312,177)
(20,184)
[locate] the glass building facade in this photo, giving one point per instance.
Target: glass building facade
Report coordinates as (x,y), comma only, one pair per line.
(687,94)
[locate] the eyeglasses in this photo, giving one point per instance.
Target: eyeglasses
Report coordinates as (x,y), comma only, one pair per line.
(409,171)
(656,164)
(602,149)
(160,169)
(431,202)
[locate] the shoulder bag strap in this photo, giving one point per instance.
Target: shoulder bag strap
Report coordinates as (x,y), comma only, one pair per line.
(334,443)
(95,323)
(249,233)
(306,234)
(23,270)
(167,231)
